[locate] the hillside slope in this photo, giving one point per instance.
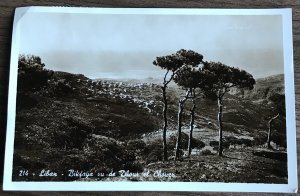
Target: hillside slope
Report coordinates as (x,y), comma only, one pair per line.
(74,123)
(264,88)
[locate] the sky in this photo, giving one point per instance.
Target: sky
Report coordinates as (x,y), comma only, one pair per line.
(124,46)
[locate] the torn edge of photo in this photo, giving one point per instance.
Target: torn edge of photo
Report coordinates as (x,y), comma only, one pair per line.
(151,99)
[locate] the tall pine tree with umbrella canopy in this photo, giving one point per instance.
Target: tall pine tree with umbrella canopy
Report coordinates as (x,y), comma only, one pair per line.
(193,80)
(171,63)
(220,80)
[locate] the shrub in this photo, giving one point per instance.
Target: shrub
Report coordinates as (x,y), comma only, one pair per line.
(59,88)
(206,152)
(231,140)
(197,143)
(107,153)
(279,138)
(184,141)
(27,100)
(154,151)
(215,144)
(136,145)
(72,133)
(31,73)
(260,138)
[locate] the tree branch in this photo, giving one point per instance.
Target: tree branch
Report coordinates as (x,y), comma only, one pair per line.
(273,118)
(165,83)
(233,85)
(186,97)
(225,91)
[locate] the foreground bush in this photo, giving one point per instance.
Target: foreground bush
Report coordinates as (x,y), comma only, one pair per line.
(107,153)
(184,142)
(31,73)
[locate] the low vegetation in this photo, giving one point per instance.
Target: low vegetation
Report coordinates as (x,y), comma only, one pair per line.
(69,122)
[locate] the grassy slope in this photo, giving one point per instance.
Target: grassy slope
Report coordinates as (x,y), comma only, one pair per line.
(58,125)
(58,131)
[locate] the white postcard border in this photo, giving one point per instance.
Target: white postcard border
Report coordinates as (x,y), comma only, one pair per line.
(292,185)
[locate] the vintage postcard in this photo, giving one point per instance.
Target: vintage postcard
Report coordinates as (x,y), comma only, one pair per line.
(107,99)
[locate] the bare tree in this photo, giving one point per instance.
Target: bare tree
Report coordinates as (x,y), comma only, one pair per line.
(278,103)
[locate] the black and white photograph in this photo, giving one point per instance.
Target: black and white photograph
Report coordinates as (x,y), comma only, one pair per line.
(175,97)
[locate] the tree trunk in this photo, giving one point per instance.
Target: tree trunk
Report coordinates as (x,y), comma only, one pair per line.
(191,128)
(220,104)
(165,155)
(270,130)
(179,118)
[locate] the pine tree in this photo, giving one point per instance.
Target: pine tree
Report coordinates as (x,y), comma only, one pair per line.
(220,79)
(172,63)
(189,77)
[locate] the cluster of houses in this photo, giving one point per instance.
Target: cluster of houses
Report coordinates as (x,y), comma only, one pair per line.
(138,93)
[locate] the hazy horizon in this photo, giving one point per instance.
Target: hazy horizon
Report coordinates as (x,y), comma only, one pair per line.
(124,46)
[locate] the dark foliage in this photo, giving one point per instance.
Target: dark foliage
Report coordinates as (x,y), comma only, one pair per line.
(220,78)
(233,141)
(71,133)
(31,73)
(276,120)
(154,151)
(184,142)
(27,100)
(136,145)
(278,102)
(189,77)
(65,124)
(272,155)
(106,154)
(175,61)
